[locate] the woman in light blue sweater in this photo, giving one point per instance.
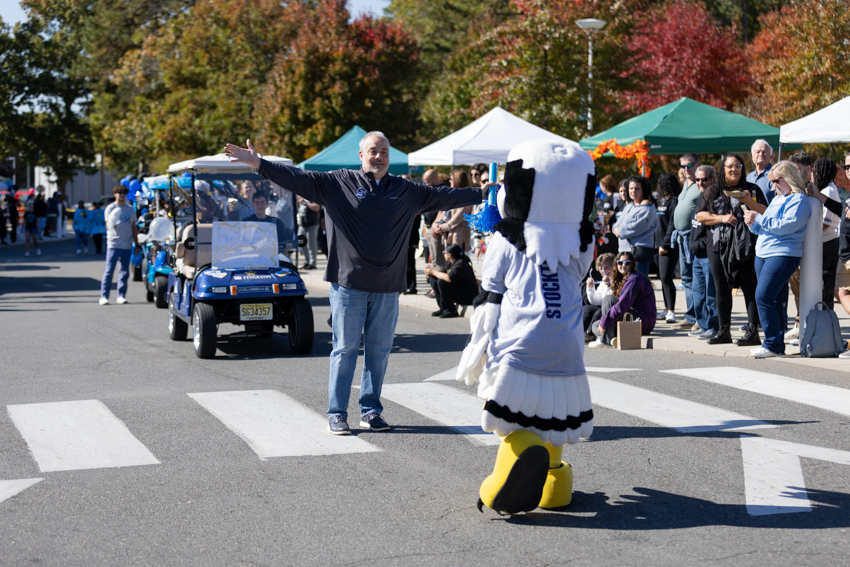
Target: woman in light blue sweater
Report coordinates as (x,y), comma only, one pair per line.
(781,229)
(636,227)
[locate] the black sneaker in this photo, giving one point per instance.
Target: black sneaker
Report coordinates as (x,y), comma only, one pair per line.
(449,314)
(338,426)
(437,313)
(374,422)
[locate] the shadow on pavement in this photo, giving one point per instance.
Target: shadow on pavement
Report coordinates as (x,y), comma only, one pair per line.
(651,509)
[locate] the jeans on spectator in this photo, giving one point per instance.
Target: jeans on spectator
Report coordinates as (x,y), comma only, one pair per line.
(772,298)
(686,271)
(114,255)
(608,302)
(311,250)
(82,240)
(704,296)
(354,314)
(642,267)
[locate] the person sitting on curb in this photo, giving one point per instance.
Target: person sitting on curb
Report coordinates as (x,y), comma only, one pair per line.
(592,310)
(457,286)
(631,293)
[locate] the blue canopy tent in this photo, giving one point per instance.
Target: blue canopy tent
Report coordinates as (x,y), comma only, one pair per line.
(343,154)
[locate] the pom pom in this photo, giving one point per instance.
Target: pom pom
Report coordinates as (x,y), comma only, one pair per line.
(484,220)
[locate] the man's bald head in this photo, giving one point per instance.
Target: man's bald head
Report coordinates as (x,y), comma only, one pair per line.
(431,178)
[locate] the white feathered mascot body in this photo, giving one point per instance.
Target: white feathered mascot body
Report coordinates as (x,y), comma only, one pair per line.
(527,344)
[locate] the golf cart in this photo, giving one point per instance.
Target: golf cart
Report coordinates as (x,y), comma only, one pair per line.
(157,236)
(230,270)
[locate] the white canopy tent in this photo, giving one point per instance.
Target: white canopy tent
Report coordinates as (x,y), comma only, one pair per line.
(827,125)
(488,139)
(220,163)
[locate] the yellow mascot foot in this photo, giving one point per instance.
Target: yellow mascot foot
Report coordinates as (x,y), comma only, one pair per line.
(518,478)
(558,491)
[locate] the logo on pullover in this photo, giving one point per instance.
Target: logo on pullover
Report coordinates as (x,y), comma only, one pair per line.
(551,292)
(361,193)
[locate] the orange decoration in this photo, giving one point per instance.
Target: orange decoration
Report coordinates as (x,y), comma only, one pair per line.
(639,150)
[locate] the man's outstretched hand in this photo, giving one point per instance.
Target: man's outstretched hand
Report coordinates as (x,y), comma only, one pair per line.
(246,155)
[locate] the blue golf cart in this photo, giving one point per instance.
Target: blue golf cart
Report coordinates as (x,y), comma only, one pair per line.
(229,269)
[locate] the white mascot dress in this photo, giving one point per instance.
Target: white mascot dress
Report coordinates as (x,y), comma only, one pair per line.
(527,343)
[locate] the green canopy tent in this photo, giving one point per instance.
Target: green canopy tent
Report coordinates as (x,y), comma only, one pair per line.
(685,126)
(343,154)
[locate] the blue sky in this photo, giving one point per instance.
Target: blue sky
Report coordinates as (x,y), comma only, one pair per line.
(11,12)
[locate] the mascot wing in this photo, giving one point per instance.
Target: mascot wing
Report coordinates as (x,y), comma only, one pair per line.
(474,356)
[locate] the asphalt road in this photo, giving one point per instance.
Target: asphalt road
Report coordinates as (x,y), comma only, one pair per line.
(648,489)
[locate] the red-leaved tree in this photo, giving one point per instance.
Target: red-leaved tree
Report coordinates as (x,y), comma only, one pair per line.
(681,51)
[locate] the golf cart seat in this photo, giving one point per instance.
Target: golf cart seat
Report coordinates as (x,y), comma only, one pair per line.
(198,252)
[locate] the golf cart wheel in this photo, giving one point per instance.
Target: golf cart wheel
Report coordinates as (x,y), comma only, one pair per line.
(301,327)
(148,293)
(137,273)
(160,292)
(204,330)
(177,328)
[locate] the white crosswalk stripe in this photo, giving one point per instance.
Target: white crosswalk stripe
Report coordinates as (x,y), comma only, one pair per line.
(64,436)
(9,488)
(676,413)
(275,425)
(816,395)
(450,406)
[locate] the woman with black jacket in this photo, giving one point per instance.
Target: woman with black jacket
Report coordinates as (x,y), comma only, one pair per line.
(668,257)
(720,209)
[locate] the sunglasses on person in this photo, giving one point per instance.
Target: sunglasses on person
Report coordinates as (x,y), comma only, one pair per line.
(846,166)
(703,179)
(688,165)
(121,192)
(777,179)
(623,262)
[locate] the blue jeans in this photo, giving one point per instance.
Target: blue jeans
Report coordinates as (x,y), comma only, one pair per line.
(114,255)
(643,267)
(374,316)
(704,296)
(772,298)
(82,240)
(686,270)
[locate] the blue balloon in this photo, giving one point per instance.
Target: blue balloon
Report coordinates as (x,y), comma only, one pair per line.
(126,181)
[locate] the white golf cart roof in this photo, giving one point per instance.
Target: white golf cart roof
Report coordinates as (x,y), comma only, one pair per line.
(220,163)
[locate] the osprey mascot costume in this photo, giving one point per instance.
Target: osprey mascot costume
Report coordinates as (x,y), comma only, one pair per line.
(527,343)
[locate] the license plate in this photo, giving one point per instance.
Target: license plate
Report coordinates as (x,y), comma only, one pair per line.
(255,312)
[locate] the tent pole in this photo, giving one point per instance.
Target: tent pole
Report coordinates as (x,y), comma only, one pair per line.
(779,154)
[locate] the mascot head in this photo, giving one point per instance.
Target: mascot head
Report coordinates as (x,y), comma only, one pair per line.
(546,201)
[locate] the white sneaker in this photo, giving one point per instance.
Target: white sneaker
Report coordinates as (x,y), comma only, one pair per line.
(121,300)
(794,342)
(78,250)
(26,253)
(762,352)
(671,317)
(845,354)
(103,301)
(661,315)
(597,344)
(793,333)
(38,251)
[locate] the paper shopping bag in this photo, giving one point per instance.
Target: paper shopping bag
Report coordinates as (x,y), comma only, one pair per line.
(628,333)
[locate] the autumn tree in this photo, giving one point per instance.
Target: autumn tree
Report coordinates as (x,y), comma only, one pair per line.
(360,73)
(800,61)
(535,65)
(44,95)
(194,82)
(681,51)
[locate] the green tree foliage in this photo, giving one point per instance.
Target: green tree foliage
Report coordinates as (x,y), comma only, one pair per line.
(325,83)
(439,26)
(534,64)
(193,83)
(800,61)
(680,50)
(44,97)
